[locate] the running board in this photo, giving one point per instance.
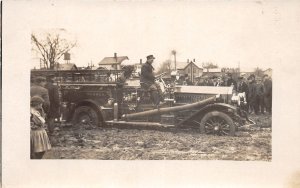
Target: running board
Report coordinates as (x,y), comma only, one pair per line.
(138,123)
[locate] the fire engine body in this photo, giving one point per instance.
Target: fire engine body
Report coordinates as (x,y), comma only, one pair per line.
(96,97)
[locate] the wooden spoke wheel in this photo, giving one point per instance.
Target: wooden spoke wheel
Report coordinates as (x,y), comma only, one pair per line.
(86,115)
(216,123)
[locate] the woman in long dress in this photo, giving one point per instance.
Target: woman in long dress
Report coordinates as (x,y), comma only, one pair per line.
(39,140)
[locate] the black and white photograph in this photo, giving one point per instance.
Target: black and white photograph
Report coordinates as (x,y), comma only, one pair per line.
(121,109)
(125,86)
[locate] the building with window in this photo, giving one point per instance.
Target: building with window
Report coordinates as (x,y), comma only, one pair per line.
(191,69)
(112,63)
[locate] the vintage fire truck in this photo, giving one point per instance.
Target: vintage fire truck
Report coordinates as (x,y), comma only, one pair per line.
(97,97)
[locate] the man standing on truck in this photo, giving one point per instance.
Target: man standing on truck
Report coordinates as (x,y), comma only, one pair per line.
(147,81)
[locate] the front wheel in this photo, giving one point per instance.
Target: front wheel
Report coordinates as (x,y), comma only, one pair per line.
(218,123)
(86,115)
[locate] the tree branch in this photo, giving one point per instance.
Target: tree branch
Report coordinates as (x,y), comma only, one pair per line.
(52,48)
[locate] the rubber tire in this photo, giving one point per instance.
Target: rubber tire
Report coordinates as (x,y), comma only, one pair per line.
(91,112)
(219,114)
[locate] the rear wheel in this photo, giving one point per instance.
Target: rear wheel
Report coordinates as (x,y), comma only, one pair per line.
(86,115)
(217,123)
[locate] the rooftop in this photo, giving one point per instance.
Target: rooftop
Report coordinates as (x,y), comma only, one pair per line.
(113,60)
(182,65)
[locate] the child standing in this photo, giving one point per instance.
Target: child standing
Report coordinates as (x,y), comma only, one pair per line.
(39,141)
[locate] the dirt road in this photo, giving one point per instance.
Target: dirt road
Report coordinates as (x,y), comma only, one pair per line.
(135,143)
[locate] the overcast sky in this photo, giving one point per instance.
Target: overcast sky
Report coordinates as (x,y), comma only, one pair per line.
(222,32)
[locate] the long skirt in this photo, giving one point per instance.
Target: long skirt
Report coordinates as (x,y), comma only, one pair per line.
(39,140)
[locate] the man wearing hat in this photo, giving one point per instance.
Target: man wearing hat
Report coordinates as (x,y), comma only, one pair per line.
(216,81)
(231,81)
(242,87)
(38,89)
(147,80)
(252,94)
(54,111)
(267,82)
(260,95)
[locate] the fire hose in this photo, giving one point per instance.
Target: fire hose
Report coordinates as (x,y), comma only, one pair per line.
(169,109)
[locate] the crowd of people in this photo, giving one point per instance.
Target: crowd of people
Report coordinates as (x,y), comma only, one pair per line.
(258,90)
(44,109)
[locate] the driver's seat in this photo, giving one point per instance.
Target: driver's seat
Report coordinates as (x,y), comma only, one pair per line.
(145,93)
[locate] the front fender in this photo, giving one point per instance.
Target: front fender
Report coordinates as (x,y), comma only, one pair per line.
(226,108)
(95,105)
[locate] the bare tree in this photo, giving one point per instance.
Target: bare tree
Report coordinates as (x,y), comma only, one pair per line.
(51,47)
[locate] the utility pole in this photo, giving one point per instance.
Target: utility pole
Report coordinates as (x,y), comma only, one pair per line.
(174,53)
(175,60)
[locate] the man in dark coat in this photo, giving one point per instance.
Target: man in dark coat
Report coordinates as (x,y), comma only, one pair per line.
(54,110)
(147,80)
(242,87)
(208,81)
(252,94)
(260,96)
(188,81)
(38,89)
(216,81)
(231,81)
(268,93)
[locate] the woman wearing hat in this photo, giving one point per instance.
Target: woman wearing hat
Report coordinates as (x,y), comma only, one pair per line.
(39,141)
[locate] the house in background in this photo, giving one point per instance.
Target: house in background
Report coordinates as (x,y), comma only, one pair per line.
(112,63)
(137,68)
(191,69)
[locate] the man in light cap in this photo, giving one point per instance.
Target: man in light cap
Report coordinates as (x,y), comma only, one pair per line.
(147,80)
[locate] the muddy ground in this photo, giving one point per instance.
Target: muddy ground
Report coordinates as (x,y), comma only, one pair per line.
(139,143)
